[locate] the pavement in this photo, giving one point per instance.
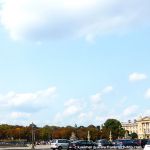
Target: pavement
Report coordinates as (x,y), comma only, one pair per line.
(40,147)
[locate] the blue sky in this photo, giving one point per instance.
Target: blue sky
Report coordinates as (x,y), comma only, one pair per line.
(66,62)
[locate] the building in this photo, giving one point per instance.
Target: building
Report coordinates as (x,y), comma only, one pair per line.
(141,126)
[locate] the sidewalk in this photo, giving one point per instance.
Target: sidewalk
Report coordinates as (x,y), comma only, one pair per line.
(40,147)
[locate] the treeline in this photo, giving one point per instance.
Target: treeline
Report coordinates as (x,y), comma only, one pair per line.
(111,127)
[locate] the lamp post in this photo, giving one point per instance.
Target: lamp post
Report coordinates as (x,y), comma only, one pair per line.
(76,128)
(33,137)
(145,133)
(88,136)
(110,136)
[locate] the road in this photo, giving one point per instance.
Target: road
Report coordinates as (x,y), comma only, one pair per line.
(47,147)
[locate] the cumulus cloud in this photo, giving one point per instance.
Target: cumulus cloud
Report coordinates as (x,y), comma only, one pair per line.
(84,117)
(107,89)
(49,19)
(131,110)
(147,94)
(97,98)
(27,102)
(137,77)
(25,107)
(72,107)
(16,115)
(83,110)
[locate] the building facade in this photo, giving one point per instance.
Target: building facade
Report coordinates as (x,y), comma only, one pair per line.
(141,126)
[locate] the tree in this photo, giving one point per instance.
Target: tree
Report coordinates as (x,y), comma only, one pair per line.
(81,133)
(115,127)
(133,135)
(93,132)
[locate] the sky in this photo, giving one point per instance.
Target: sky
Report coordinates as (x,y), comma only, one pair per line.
(67,62)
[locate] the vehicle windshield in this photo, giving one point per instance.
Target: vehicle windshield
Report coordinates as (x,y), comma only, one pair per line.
(53,141)
(148,142)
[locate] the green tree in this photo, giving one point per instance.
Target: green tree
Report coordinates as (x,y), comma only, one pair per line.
(93,132)
(115,127)
(133,135)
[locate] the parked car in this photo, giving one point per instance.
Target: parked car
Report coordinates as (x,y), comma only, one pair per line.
(147,145)
(144,142)
(103,142)
(137,142)
(125,143)
(82,144)
(59,144)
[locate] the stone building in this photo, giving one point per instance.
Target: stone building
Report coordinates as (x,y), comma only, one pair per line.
(141,126)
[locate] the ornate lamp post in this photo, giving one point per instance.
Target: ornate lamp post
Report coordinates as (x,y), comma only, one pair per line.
(76,133)
(145,133)
(110,136)
(33,136)
(88,136)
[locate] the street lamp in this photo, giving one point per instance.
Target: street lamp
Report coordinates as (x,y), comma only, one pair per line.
(88,136)
(145,133)
(33,136)
(110,136)
(76,128)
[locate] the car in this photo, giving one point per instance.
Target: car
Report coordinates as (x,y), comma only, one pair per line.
(103,142)
(144,142)
(137,142)
(59,144)
(147,145)
(82,144)
(125,143)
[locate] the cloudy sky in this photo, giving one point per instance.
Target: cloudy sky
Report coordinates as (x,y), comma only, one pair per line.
(66,62)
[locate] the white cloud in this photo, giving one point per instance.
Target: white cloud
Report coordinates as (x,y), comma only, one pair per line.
(82,110)
(121,102)
(147,94)
(86,117)
(72,108)
(103,118)
(107,89)
(131,110)
(95,117)
(71,102)
(96,99)
(146,113)
(16,115)
(50,19)
(24,108)
(137,76)
(28,102)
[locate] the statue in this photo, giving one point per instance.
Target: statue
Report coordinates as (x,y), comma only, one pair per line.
(73,137)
